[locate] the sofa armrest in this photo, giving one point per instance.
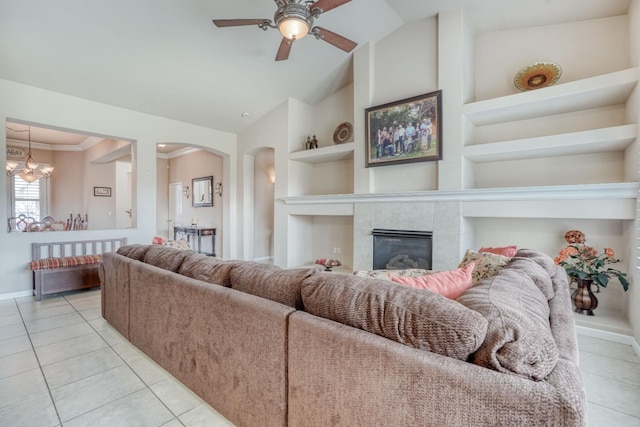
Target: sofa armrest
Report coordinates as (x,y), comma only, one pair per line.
(227,346)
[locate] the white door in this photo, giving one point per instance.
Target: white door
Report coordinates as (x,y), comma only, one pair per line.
(175,206)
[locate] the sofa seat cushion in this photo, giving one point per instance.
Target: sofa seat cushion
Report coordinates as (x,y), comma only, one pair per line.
(207,269)
(166,257)
(414,317)
(135,251)
(271,282)
(519,338)
(67,261)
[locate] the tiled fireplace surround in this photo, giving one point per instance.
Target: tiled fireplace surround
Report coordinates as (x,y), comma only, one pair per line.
(444,219)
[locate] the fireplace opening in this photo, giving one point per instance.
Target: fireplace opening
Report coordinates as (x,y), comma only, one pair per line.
(400,249)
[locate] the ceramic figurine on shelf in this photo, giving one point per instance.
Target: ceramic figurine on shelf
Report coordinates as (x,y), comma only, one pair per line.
(314,142)
(307,145)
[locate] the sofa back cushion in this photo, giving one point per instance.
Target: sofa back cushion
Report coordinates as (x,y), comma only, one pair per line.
(519,338)
(271,282)
(207,269)
(135,251)
(165,257)
(414,317)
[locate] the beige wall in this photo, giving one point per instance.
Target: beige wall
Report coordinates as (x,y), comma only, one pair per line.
(67,189)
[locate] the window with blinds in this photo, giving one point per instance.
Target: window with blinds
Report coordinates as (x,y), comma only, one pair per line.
(26,198)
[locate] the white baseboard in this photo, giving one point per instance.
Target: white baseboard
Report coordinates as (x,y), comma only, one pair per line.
(609,336)
(263,259)
(13,295)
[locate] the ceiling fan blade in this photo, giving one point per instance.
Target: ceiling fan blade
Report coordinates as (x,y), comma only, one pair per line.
(284,49)
(336,39)
(326,5)
(237,22)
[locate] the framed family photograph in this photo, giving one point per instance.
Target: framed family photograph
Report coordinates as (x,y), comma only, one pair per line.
(404,131)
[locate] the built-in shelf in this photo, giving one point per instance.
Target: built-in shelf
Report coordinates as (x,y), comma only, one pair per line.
(331,153)
(600,91)
(624,190)
(615,138)
(608,320)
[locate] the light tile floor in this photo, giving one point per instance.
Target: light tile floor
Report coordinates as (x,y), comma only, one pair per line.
(61,364)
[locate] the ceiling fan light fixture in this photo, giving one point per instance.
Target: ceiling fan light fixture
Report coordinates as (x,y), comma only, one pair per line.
(294,19)
(293,28)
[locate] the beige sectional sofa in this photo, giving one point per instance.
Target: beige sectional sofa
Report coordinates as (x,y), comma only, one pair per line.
(271,347)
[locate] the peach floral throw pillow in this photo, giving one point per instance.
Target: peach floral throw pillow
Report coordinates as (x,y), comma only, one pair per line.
(450,284)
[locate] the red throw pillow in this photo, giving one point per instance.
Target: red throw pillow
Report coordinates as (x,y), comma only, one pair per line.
(450,284)
(509,251)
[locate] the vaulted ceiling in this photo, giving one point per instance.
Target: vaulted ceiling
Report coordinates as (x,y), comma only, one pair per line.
(166,58)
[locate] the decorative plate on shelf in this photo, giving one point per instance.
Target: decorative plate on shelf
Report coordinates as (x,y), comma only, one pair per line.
(538,75)
(343,133)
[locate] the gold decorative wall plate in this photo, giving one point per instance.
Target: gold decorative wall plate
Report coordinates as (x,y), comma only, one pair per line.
(538,75)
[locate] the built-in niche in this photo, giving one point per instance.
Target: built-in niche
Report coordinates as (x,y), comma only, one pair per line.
(80,162)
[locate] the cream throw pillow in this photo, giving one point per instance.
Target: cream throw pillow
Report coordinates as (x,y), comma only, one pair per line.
(487,264)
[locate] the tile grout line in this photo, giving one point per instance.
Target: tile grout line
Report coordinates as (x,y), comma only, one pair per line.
(55,408)
(148,387)
(614,410)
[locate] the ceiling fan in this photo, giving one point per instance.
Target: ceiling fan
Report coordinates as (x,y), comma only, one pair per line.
(294,19)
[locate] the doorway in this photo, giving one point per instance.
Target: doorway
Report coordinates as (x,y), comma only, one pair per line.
(175,207)
(263,204)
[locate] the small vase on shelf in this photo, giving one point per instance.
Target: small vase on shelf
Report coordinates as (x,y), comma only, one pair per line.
(583,298)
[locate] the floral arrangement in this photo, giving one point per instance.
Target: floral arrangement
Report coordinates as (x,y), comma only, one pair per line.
(583,262)
(328,263)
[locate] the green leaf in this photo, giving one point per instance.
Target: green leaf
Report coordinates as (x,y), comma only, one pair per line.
(602,279)
(623,281)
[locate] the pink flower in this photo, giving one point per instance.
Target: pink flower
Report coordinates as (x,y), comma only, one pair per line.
(574,236)
(609,252)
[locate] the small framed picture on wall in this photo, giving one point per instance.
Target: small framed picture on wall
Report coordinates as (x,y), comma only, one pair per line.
(102,191)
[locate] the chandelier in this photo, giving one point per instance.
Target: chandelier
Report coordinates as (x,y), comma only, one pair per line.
(30,170)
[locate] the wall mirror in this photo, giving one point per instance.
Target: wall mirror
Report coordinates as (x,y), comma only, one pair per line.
(202,191)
